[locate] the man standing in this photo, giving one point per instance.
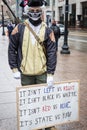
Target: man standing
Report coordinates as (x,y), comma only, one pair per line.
(33,60)
(56,31)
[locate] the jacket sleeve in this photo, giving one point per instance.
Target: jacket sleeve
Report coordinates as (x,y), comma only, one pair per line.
(51,53)
(13,48)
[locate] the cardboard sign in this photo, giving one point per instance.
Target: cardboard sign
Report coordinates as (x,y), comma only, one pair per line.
(39,106)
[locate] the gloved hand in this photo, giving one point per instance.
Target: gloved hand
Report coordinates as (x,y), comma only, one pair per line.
(16,75)
(50,80)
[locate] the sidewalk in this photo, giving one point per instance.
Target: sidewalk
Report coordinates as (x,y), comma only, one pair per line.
(71,66)
(78,32)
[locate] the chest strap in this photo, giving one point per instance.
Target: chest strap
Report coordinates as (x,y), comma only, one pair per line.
(36,37)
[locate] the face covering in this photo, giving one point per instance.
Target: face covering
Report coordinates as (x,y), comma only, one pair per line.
(35,15)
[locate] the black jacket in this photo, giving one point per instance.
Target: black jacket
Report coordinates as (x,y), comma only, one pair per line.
(15,49)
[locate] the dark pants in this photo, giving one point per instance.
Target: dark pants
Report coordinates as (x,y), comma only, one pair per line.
(56,44)
(30,80)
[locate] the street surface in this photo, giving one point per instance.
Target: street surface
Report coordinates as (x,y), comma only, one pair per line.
(71,66)
(76,40)
(80,41)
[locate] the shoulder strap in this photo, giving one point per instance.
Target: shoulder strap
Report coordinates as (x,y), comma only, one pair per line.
(36,37)
(32,31)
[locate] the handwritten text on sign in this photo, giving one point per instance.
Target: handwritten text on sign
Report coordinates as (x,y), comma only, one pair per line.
(40,106)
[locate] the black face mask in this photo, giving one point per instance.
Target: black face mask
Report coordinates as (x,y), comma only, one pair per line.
(35,23)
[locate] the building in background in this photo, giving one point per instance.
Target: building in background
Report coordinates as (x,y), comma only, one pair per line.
(7,14)
(15,7)
(77,16)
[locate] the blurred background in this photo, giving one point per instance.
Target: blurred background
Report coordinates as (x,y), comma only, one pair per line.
(55,9)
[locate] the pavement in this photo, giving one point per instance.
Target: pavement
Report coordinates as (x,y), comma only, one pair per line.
(70,67)
(76,32)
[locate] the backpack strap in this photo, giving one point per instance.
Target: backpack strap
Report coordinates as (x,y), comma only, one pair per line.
(32,31)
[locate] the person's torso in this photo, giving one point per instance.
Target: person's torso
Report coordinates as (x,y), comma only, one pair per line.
(34,60)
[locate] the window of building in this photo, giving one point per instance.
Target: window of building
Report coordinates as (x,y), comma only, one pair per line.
(53,14)
(61,0)
(53,2)
(61,15)
(85,12)
(48,1)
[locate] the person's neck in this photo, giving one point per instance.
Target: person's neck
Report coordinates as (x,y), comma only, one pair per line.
(54,24)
